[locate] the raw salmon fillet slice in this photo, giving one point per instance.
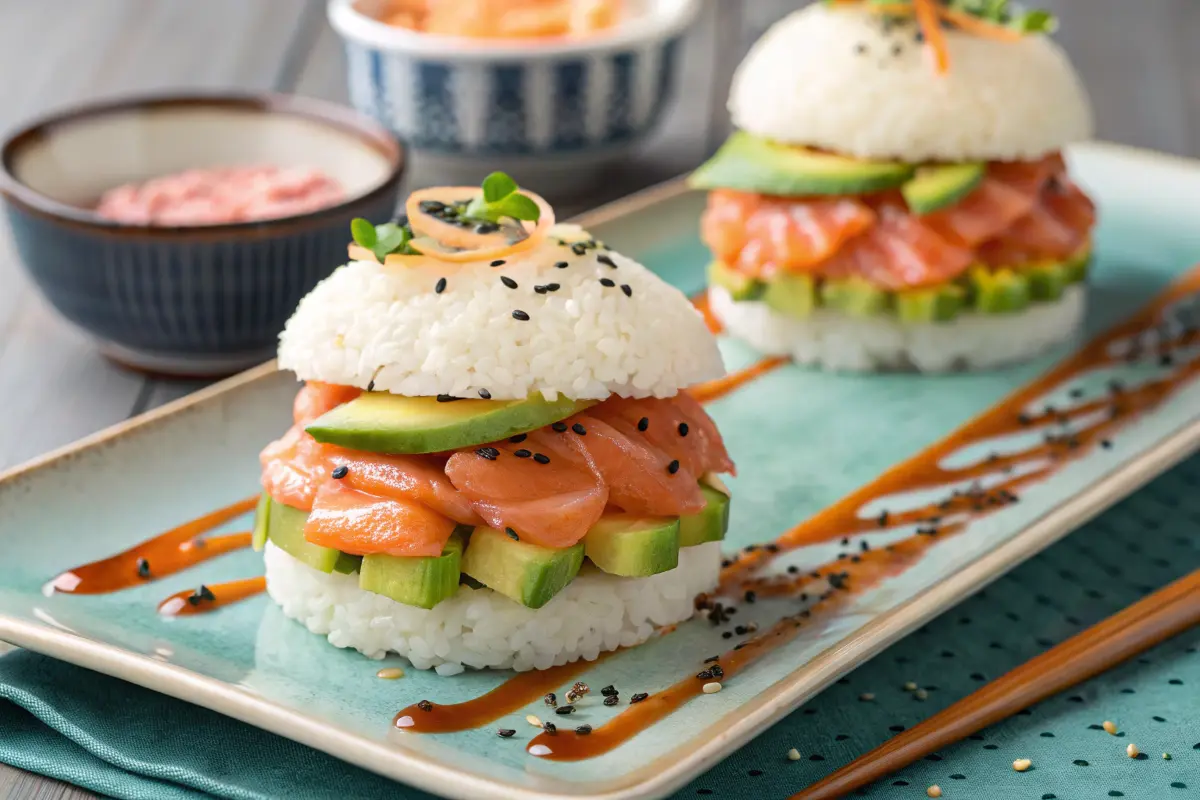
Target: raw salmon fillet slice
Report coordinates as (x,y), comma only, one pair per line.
(763,235)
(362,524)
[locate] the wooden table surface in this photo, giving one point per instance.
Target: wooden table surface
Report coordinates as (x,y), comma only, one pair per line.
(1137,58)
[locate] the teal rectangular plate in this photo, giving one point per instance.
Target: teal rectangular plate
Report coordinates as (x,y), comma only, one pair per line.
(801,439)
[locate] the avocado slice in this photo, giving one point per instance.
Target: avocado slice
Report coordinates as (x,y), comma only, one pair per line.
(855,296)
(1001,291)
(633,546)
(389,423)
(710,524)
(1077,267)
(258,537)
(739,286)
(941,185)
(415,581)
(285,528)
(793,295)
(1047,281)
(524,572)
(750,164)
(934,304)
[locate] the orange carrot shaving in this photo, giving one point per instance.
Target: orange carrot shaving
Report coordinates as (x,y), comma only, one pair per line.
(931,26)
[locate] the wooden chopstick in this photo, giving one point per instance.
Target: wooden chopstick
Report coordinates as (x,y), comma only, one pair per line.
(1153,619)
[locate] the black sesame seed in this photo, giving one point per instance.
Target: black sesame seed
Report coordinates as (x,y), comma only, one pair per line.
(541,459)
(1106,444)
(485,394)
(507,281)
(553,287)
(340,472)
(683,429)
(520,437)
(540,289)
(440,287)
(627,289)
(609,691)
(425,705)
(793,569)
(704,675)
(611,700)
(512,534)
(559,427)
(643,424)
(371,385)
(579,429)
(637,698)
(579,248)
(716,670)
(606,261)
(498,262)
(583,730)
(520,315)
(726,635)
(143,568)
(506,733)
(562,265)
(550,699)
(487,227)
(606,282)
(750,596)
(550,728)
(490,453)
(447,398)
(712,659)
(564,710)
(430,206)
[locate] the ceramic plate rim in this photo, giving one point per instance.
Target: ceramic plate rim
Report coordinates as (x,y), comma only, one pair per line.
(673,769)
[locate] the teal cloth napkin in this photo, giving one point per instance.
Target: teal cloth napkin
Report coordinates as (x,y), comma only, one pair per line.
(127,742)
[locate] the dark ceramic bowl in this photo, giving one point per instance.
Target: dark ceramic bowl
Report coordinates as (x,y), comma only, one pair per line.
(199,301)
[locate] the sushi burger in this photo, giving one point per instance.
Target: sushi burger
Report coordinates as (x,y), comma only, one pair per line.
(494,461)
(895,194)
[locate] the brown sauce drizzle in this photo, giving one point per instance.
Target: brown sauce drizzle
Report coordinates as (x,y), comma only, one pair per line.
(176,550)
(1064,435)
(210,598)
(512,695)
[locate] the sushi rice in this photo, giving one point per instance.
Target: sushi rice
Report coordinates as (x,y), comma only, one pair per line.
(480,628)
(837,341)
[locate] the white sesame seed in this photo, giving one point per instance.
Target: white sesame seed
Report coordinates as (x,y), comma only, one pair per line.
(712,688)
(390,673)
(1132,750)
(921,694)
(934,791)
(866,697)
(793,755)
(534,721)
(910,687)
(1110,726)
(1022,764)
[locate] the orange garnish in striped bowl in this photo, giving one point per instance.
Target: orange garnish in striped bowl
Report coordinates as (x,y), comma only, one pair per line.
(989,19)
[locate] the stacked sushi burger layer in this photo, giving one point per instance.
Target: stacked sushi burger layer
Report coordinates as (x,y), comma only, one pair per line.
(493,462)
(895,196)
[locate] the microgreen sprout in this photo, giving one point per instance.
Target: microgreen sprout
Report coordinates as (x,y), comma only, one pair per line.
(382,240)
(502,198)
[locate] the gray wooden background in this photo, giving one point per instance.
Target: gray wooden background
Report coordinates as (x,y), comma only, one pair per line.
(1137,56)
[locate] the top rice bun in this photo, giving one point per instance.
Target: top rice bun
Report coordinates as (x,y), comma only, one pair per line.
(368,322)
(831,77)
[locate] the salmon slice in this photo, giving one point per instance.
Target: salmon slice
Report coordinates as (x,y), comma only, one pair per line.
(292,469)
(362,524)
(416,479)
(761,234)
(550,504)
(1027,177)
(637,474)
(983,214)
(315,399)
(697,444)
(901,252)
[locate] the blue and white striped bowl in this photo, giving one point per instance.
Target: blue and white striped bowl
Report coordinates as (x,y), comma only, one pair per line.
(550,112)
(204,300)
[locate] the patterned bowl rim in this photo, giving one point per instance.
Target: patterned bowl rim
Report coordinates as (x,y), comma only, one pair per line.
(331,115)
(663,19)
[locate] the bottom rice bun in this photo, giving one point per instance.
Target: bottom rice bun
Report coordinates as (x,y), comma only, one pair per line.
(838,342)
(494,462)
(895,194)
